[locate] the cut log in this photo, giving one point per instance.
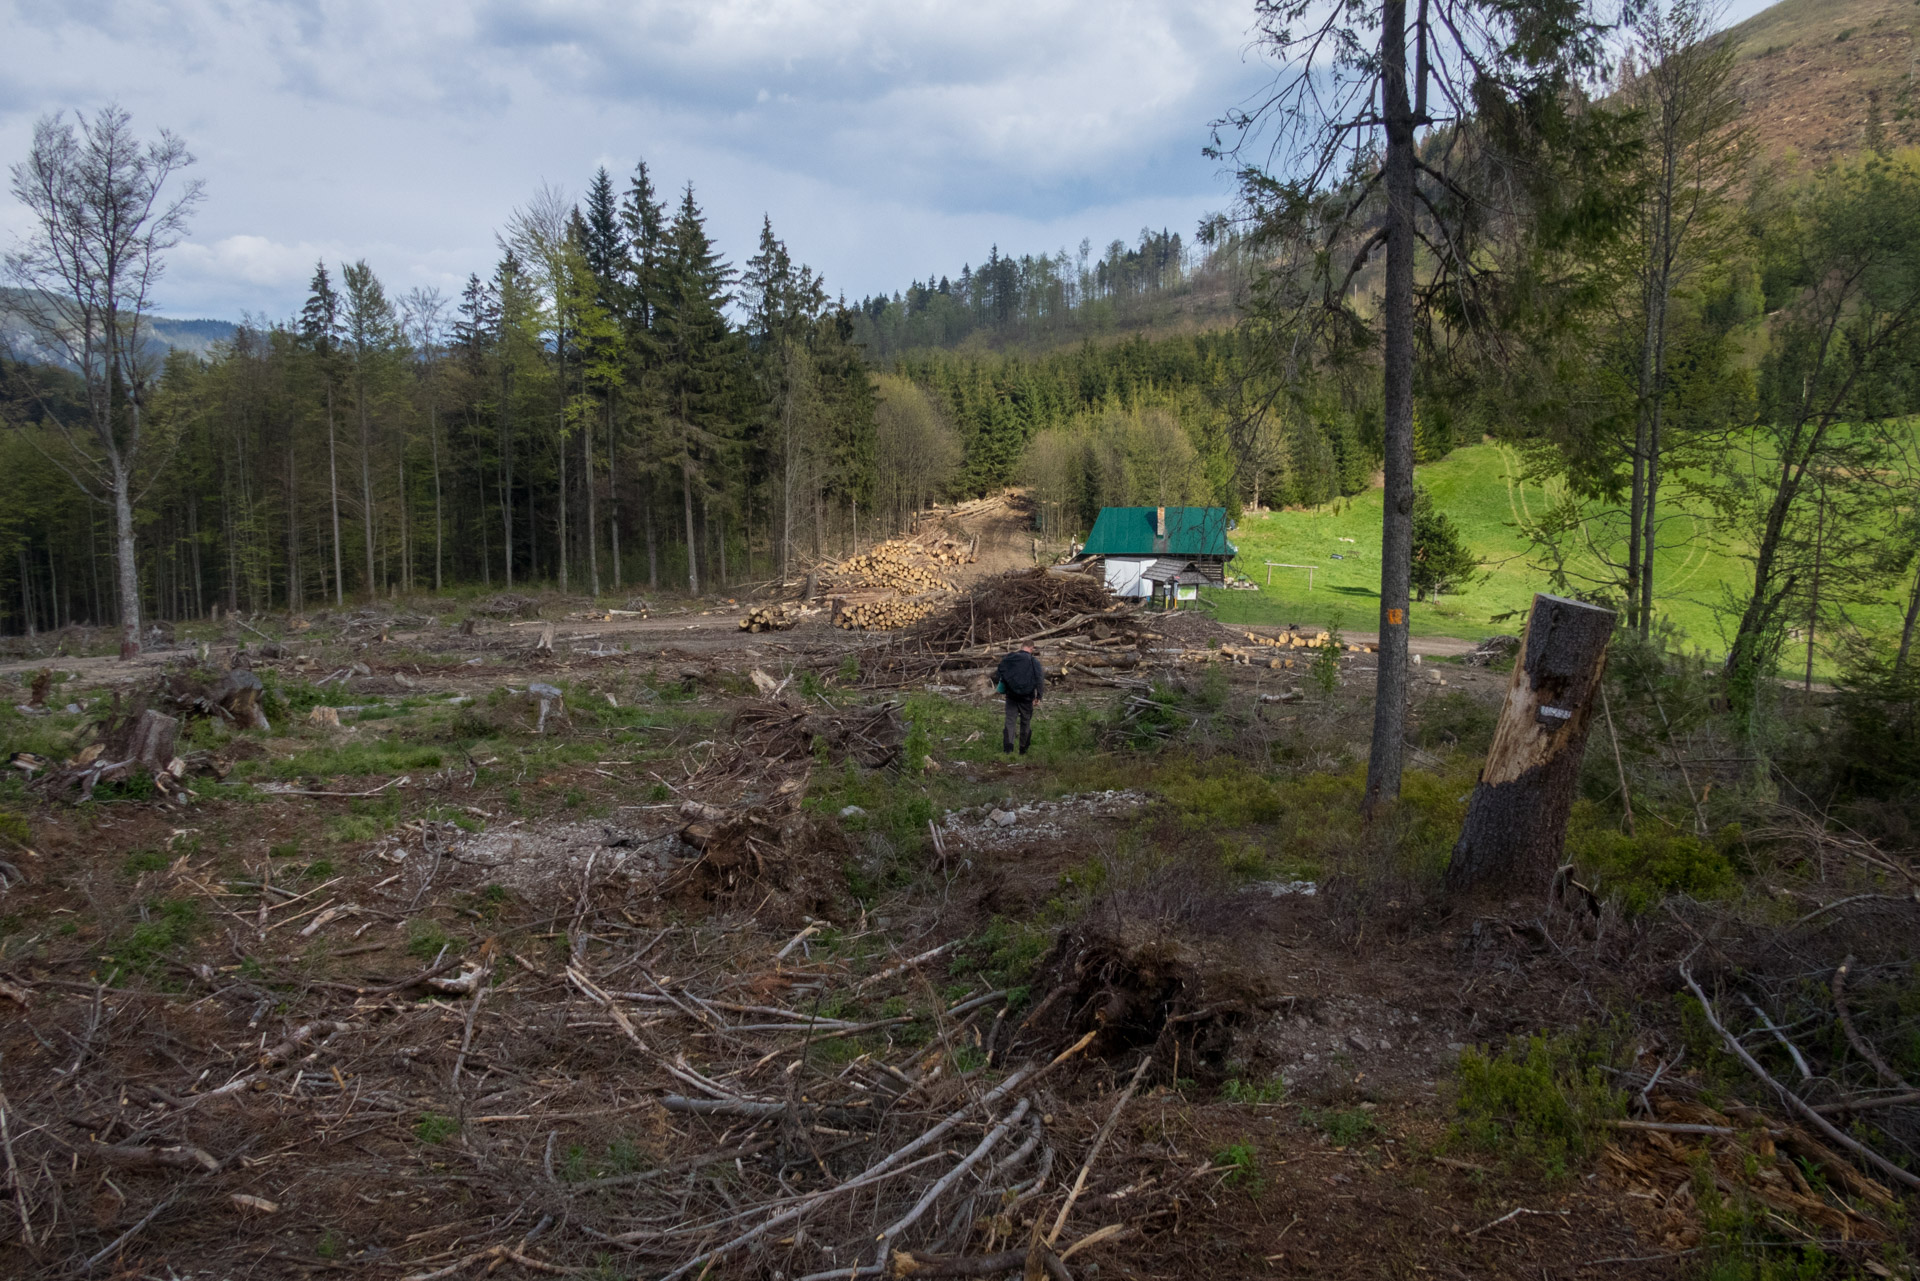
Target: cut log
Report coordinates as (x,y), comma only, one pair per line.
(1517,821)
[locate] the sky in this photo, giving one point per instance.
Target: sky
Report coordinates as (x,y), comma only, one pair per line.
(888,140)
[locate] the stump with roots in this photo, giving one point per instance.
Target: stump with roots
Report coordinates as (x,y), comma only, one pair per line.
(1517,821)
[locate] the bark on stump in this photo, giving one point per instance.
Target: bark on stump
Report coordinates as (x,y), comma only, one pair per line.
(1517,821)
(153,739)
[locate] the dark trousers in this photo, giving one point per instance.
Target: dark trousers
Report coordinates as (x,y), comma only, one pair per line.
(1019,712)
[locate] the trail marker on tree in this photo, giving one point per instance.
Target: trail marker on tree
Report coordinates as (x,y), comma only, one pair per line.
(1517,821)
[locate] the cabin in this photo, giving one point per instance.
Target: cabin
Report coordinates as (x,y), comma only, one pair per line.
(1167,553)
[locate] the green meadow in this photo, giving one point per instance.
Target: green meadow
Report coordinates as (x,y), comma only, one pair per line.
(1698,573)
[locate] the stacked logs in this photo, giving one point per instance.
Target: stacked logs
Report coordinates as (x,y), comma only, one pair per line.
(880,615)
(899,565)
(770,618)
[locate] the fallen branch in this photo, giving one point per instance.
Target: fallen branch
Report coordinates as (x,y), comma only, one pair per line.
(1859,1043)
(906,965)
(938,1190)
(1100,1141)
(1792,1100)
(182,1157)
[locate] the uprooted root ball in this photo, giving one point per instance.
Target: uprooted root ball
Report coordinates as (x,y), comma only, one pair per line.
(1145,984)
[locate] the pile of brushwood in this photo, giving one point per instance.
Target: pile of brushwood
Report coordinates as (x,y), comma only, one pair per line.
(1022,605)
(791,732)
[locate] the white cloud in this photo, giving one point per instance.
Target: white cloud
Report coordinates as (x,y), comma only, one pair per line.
(886,138)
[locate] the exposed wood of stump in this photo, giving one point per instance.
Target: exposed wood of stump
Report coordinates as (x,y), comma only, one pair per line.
(153,739)
(1517,821)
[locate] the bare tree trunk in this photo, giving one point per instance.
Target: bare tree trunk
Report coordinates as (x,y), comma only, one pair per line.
(653,548)
(439,522)
(126,571)
(1517,821)
(333,489)
(593,518)
(296,586)
(1907,628)
(693,554)
(563,503)
(613,495)
(366,479)
(1396,543)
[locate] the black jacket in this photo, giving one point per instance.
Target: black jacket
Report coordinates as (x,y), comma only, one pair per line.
(1021,676)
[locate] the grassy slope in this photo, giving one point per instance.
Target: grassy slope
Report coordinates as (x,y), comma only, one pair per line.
(1695,573)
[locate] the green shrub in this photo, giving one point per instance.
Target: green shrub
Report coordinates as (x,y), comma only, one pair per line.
(1540,1103)
(425,938)
(1222,793)
(1271,1090)
(169,925)
(435,1128)
(1646,868)
(1343,1127)
(1242,1163)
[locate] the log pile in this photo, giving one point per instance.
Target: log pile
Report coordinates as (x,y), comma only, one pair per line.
(883,615)
(901,565)
(771,618)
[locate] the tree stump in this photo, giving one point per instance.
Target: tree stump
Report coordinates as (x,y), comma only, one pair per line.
(1517,821)
(153,739)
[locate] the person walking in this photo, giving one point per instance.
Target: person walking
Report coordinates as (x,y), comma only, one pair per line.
(1021,679)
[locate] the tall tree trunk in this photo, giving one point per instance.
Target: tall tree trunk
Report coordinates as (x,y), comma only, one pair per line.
(1907,628)
(366,478)
(593,518)
(296,588)
(613,495)
(127,570)
(561,541)
(439,523)
(333,490)
(653,550)
(693,544)
(1396,544)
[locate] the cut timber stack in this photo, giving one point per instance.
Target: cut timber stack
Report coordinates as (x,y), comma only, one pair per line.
(880,615)
(770,618)
(898,565)
(1292,641)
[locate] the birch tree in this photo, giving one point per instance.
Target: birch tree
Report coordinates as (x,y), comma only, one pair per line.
(105,210)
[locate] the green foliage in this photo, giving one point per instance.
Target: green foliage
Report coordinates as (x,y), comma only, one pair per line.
(1242,1162)
(1325,671)
(1642,870)
(1271,1090)
(168,926)
(1008,951)
(1441,557)
(145,861)
(425,938)
(1344,1127)
(432,1127)
(1539,1102)
(1220,793)
(13,827)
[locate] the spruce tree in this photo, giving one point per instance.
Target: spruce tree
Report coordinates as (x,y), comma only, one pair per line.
(320,333)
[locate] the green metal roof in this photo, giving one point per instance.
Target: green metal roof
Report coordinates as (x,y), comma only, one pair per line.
(1129,531)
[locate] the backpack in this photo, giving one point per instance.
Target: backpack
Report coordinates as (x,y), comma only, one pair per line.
(1018,673)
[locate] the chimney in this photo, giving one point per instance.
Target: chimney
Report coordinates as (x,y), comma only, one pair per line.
(1159,522)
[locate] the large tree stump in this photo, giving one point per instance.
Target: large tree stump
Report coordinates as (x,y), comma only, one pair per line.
(1517,822)
(153,740)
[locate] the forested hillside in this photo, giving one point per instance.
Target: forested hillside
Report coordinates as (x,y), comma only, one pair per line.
(1162,284)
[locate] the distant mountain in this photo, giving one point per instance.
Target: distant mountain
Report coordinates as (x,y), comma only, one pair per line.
(18,339)
(1815,73)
